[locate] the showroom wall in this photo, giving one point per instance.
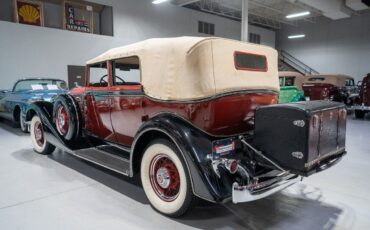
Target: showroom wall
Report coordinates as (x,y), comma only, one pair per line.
(340,46)
(29,51)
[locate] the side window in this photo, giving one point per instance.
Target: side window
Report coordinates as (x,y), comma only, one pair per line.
(289,81)
(317,79)
(281,80)
(98,75)
(126,71)
(350,82)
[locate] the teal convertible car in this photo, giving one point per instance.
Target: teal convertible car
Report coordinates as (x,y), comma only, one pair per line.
(14,103)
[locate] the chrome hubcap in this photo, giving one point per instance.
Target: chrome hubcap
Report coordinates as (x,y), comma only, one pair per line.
(38,134)
(163,178)
(61,120)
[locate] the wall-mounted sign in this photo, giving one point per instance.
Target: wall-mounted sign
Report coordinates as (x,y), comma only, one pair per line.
(29,12)
(78,17)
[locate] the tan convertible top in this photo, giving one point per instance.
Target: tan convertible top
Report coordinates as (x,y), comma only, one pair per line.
(187,68)
(333,79)
(299,78)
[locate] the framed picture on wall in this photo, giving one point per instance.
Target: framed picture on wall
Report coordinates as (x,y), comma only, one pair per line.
(78,17)
(29,12)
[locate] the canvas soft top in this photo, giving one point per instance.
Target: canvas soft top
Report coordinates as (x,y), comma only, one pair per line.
(186,68)
(333,79)
(299,78)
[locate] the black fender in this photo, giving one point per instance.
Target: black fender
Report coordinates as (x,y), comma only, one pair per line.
(194,145)
(45,111)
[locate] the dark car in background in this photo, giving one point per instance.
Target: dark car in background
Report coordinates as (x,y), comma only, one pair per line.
(15,103)
(362,104)
(339,88)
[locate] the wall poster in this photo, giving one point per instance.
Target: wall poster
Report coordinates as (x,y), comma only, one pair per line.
(78,17)
(29,12)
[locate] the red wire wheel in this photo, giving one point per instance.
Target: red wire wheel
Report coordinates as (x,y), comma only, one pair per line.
(62,120)
(164,177)
(39,134)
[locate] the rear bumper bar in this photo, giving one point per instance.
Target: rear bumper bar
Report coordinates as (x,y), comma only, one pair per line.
(263,189)
(361,107)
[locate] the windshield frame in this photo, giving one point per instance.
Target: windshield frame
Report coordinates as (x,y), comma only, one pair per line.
(37,79)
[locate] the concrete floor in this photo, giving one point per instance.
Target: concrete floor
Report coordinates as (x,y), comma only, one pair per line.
(63,192)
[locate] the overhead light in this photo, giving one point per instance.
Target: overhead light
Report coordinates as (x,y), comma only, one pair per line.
(298,14)
(159,1)
(296,36)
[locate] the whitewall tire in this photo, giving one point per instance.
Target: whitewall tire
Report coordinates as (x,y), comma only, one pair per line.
(165,179)
(23,124)
(40,145)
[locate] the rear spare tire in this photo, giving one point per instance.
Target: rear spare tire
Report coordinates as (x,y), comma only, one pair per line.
(40,145)
(165,179)
(65,117)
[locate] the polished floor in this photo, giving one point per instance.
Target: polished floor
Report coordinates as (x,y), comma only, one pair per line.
(63,192)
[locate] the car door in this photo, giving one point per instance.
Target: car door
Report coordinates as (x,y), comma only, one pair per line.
(98,102)
(127,113)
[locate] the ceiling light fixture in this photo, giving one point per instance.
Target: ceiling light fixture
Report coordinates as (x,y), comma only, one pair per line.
(296,36)
(298,14)
(159,1)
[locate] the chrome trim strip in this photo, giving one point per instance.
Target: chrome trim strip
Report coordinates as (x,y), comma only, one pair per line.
(361,107)
(217,96)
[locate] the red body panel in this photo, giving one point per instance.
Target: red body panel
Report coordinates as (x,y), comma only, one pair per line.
(221,116)
(318,91)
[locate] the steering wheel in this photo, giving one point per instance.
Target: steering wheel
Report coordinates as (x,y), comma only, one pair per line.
(103,81)
(123,81)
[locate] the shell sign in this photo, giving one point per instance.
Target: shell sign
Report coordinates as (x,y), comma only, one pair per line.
(29,12)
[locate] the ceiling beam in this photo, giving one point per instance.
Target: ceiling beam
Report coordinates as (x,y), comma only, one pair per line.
(183,2)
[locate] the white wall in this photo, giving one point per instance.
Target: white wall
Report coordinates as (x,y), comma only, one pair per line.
(29,51)
(268,37)
(341,46)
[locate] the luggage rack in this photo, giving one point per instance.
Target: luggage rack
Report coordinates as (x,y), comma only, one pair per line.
(259,153)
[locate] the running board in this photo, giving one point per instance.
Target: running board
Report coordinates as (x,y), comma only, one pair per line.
(111,157)
(105,159)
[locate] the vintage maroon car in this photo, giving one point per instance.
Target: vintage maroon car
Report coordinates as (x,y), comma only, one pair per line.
(196,118)
(340,88)
(362,104)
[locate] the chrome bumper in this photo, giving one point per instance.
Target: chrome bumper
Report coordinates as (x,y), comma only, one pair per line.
(361,107)
(262,189)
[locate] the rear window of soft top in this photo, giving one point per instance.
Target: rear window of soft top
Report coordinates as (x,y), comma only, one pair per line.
(249,61)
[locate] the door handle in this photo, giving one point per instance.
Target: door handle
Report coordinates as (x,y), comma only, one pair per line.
(107,101)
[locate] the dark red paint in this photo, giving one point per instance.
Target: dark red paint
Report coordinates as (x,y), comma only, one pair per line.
(365,91)
(319,91)
(118,117)
(115,113)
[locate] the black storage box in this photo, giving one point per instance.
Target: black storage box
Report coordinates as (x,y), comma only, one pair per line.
(300,136)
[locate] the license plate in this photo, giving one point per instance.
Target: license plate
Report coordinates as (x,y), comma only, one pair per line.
(223,148)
